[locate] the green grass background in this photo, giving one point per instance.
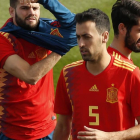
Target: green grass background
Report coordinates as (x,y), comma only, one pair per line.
(75,6)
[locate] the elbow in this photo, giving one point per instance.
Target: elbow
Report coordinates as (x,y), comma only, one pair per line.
(30,78)
(31,81)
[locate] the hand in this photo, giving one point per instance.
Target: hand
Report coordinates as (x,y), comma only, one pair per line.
(28,1)
(93,134)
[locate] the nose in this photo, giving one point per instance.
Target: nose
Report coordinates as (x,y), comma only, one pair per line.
(31,11)
(81,42)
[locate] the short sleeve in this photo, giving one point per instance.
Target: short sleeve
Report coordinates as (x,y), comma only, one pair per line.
(6,49)
(135,93)
(62,101)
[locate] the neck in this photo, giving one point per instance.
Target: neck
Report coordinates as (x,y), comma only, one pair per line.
(119,45)
(99,66)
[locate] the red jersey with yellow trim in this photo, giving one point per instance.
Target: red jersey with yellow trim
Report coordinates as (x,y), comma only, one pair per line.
(26,111)
(118,55)
(109,101)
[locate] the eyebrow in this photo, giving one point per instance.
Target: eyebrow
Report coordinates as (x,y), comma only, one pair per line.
(26,6)
(83,35)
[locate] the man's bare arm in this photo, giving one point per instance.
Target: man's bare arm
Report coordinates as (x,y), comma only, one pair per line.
(94,134)
(21,69)
(132,133)
(63,127)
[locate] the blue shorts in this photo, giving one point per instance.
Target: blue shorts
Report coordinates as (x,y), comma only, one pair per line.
(49,137)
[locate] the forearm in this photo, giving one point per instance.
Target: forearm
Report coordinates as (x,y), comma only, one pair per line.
(41,68)
(129,134)
(63,127)
(60,134)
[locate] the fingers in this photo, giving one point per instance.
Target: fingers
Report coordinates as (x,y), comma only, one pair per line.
(86,138)
(89,129)
(86,133)
(89,134)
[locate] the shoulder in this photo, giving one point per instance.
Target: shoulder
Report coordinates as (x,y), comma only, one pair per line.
(125,65)
(115,53)
(72,70)
(76,64)
(7,37)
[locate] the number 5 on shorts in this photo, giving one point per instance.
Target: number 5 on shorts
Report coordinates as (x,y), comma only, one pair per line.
(96,115)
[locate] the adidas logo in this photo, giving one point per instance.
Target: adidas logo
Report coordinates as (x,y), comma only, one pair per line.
(31,55)
(94,88)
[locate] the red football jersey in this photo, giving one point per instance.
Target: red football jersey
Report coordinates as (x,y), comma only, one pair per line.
(26,110)
(118,55)
(109,101)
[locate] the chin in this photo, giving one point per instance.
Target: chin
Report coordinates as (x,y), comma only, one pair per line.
(86,59)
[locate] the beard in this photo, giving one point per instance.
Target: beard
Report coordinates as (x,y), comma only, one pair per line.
(131,44)
(22,23)
(94,58)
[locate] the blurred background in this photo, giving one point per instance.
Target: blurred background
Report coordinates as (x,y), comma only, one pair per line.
(75,6)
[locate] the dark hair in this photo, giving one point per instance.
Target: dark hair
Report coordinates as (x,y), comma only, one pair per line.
(13,3)
(126,12)
(100,18)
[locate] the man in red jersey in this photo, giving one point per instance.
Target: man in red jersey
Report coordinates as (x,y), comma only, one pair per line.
(26,76)
(126,24)
(97,98)
(125,19)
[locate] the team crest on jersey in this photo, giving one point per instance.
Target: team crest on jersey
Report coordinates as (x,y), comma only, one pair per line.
(112,94)
(56,32)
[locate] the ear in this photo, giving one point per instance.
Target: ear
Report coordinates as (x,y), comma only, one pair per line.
(105,37)
(122,29)
(12,11)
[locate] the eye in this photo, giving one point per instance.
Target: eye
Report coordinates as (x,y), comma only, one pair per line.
(25,8)
(78,37)
(35,8)
(87,37)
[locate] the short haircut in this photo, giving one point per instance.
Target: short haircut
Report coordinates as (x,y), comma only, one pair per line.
(95,15)
(126,12)
(13,3)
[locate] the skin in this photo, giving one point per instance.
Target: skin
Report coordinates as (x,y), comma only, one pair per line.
(132,39)
(63,127)
(17,66)
(119,42)
(92,46)
(26,15)
(28,1)
(94,134)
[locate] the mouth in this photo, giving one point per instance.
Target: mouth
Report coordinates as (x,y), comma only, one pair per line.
(31,18)
(138,43)
(83,51)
